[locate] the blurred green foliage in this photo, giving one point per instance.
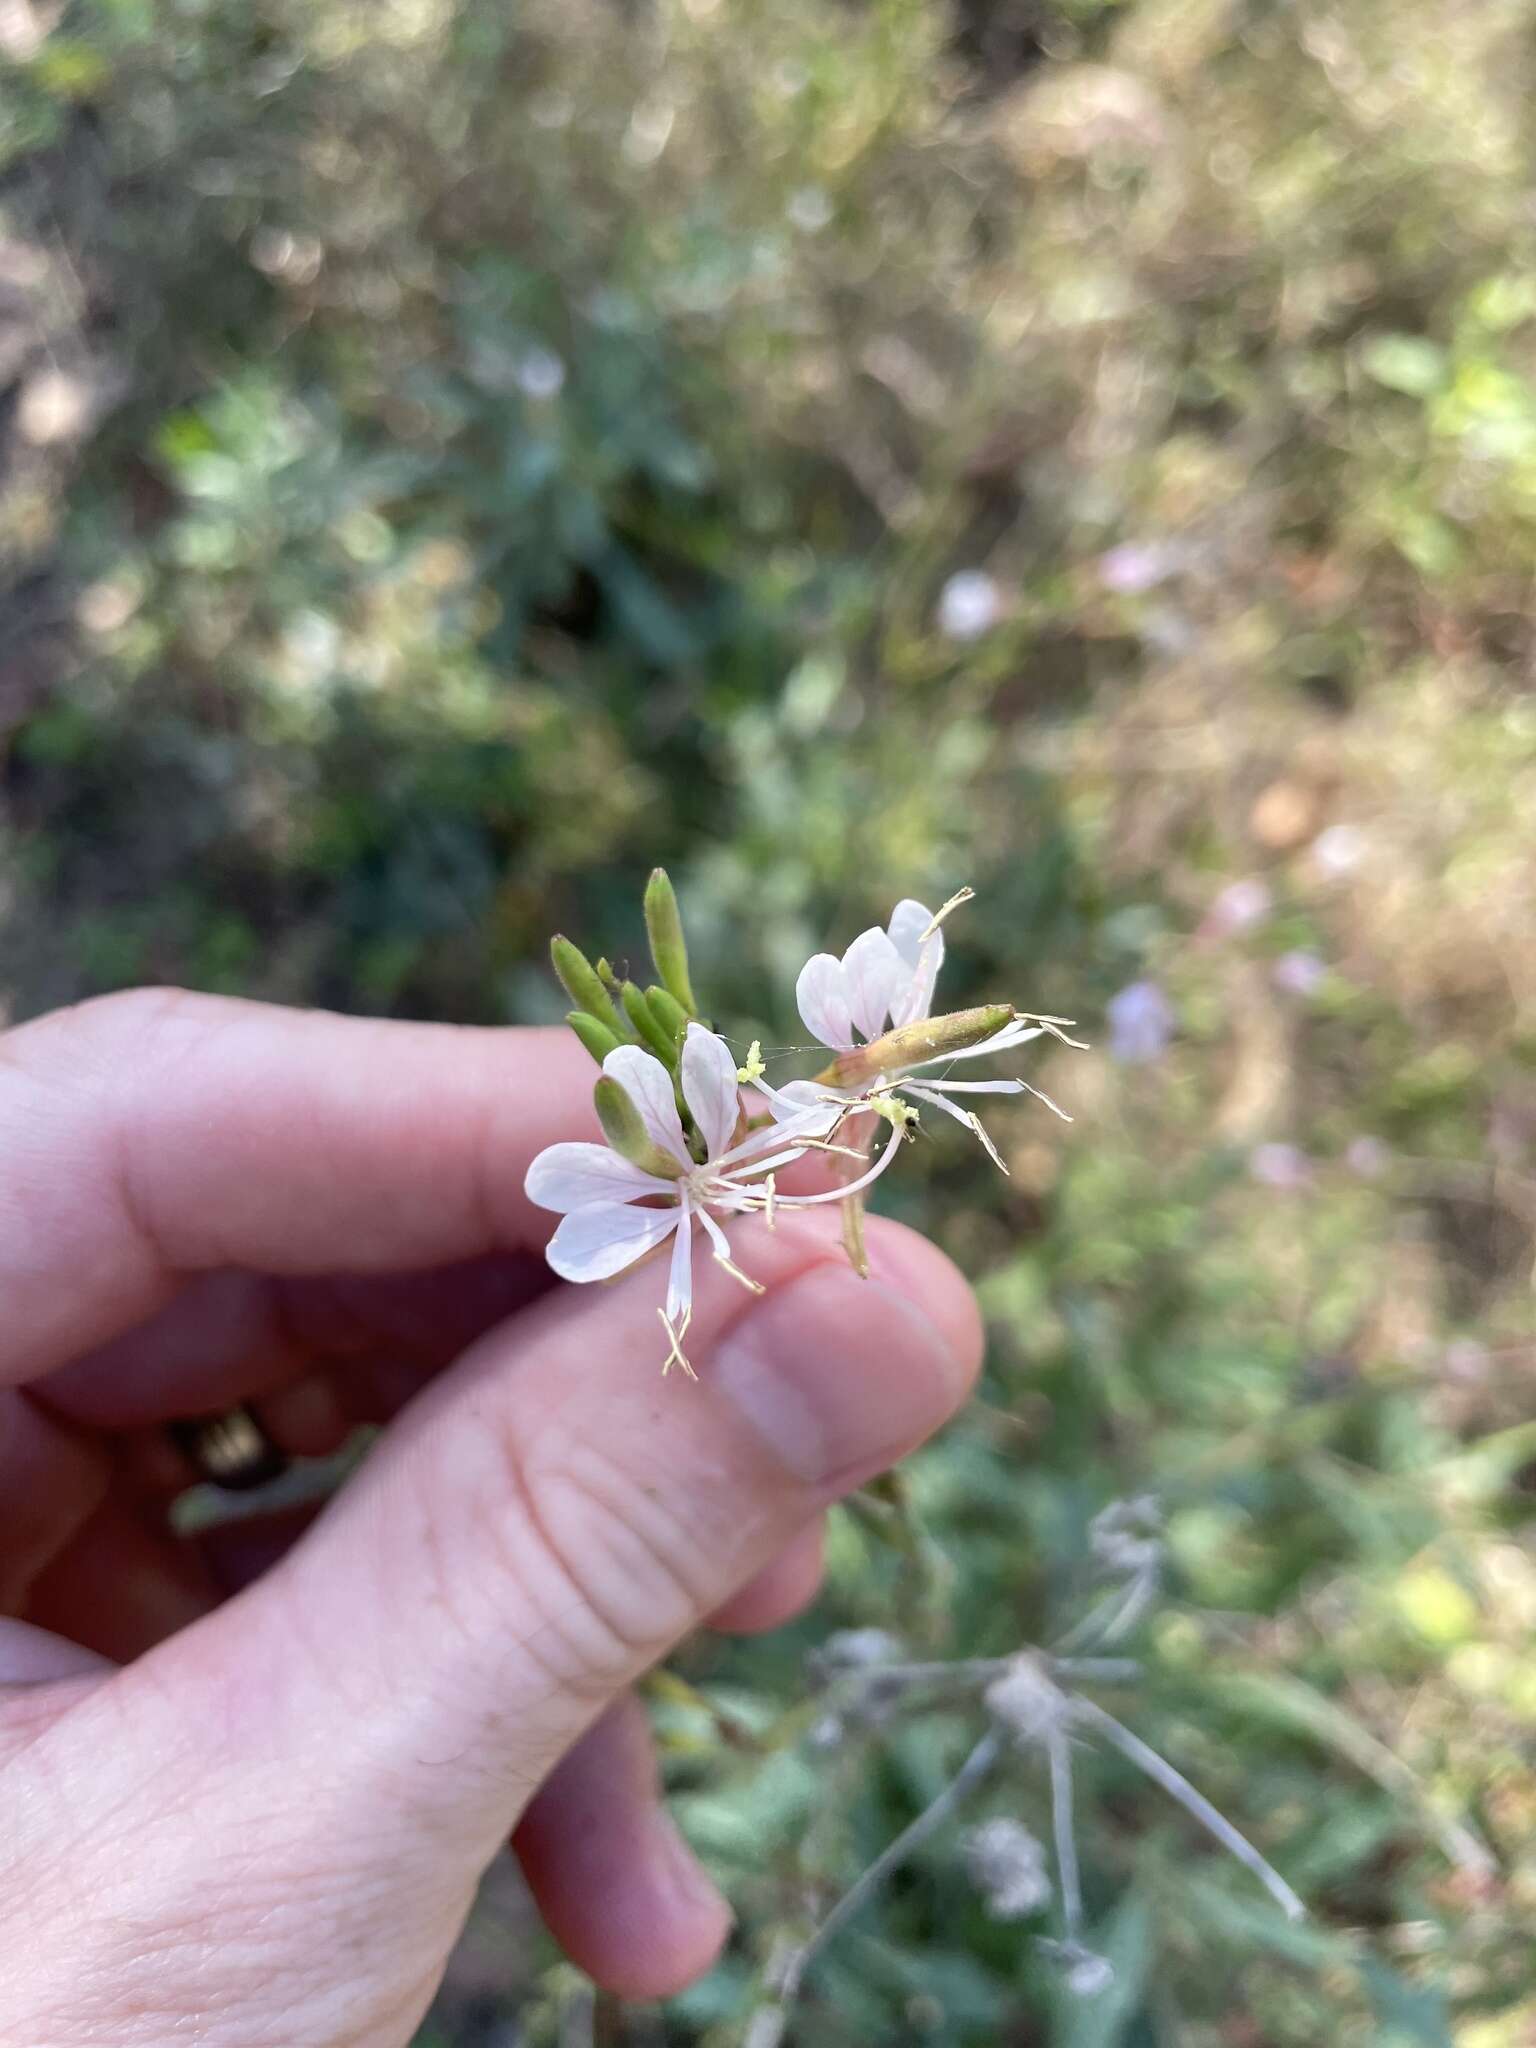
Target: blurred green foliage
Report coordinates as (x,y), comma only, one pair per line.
(456,455)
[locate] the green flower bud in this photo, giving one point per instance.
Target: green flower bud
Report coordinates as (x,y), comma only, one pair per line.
(596,1037)
(668,1012)
(910,1045)
(627,1134)
(638,1011)
(581,982)
(664,925)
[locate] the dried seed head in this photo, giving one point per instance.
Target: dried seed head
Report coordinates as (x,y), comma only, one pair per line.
(1026,1701)
(1084,1972)
(1127,1536)
(1006,1864)
(855,1649)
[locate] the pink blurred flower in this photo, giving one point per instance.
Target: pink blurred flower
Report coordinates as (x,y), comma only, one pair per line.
(1141,1023)
(1237,908)
(1135,566)
(1367,1157)
(1283,1167)
(1299,973)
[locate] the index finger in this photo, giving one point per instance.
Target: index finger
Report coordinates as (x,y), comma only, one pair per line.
(155,1134)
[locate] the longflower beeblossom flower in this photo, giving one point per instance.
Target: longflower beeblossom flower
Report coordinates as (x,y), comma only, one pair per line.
(615,1210)
(867,1006)
(691,1137)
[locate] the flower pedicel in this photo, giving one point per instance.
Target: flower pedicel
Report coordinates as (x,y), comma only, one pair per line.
(693,1137)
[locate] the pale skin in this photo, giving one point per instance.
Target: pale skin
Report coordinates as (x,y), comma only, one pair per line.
(247,1786)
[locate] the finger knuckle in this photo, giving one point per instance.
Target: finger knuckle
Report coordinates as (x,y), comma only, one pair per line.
(604,1565)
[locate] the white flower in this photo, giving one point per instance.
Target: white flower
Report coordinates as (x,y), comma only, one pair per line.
(970,604)
(613,1212)
(886,980)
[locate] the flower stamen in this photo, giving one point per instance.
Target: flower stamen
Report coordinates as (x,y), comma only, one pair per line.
(675,1335)
(964,895)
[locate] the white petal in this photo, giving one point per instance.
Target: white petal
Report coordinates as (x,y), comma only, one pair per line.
(680,1279)
(742,1176)
(968,1117)
(821,996)
(977,1087)
(593,1244)
(804,1109)
(710,1087)
(1015,1032)
(574,1176)
(649,1087)
(852,1187)
(922,957)
(874,976)
(909,920)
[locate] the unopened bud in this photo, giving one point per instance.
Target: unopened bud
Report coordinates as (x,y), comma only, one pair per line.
(583,984)
(595,1036)
(912,1045)
(668,1012)
(650,1028)
(664,927)
(626,1133)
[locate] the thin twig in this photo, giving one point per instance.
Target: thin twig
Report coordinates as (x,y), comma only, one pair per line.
(891,1858)
(1116,1616)
(1096,1670)
(1059,1753)
(1178,1787)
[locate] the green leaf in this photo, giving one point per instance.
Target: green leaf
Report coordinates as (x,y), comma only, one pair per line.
(1409,2012)
(1126,1943)
(1405,362)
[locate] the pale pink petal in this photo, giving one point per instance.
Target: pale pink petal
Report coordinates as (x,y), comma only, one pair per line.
(909,920)
(710,1087)
(802,1110)
(595,1243)
(649,1087)
(742,1176)
(922,957)
(853,1187)
(821,995)
(797,1098)
(874,976)
(574,1176)
(680,1278)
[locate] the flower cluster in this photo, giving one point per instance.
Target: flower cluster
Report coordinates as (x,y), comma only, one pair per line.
(693,1137)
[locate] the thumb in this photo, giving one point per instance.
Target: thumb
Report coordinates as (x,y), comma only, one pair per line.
(547,1521)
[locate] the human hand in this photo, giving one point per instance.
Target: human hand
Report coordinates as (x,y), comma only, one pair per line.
(248,1783)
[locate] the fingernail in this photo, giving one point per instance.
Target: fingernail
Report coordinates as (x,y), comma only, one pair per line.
(839,1376)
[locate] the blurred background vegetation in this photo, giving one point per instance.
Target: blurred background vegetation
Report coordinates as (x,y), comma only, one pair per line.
(456,453)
